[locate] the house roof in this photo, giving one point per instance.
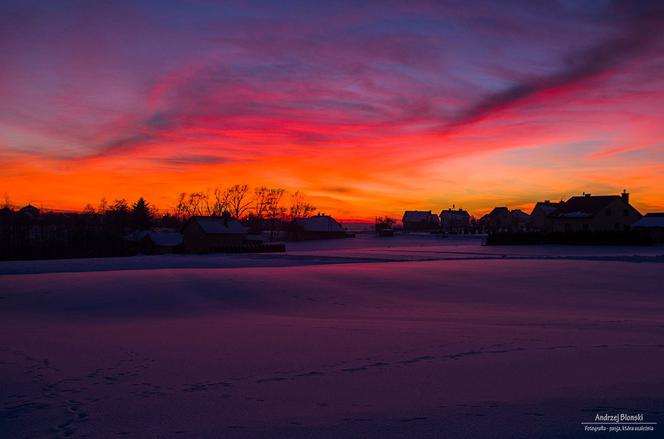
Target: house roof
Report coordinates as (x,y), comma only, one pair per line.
(29,210)
(136,235)
(546,207)
(420,216)
(459,213)
(584,206)
(319,223)
(166,239)
(499,210)
(651,220)
(215,225)
(519,215)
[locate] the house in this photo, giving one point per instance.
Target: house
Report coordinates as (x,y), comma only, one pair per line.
(317,227)
(594,213)
(205,234)
(154,242)
(29,211)
(539,216)
(653,225)
(455,221)
(420,221)
(161,242)
(498,220)
(520,220)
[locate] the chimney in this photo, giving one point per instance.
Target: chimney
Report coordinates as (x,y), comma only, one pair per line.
(625,196)
(586,195)
(225,216)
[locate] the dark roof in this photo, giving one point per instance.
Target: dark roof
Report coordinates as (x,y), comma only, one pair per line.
(584,206)
(499,211)
(546,207)
(215,225)
(319,223)
(420,216)
(520,215)
(650,221)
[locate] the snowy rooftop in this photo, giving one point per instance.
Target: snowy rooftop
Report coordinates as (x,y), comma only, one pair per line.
(419,216)
(319,223)
(216,225)
(650,220)
(166,239)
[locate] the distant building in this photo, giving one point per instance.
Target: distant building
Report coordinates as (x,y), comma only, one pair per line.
(154,242)
(539,217)
(520,220)
(498,220)
(318,227)
(594,213)
(206,234)
(455,221)
(420,221)
(653,224)
(161,242)
(30,211)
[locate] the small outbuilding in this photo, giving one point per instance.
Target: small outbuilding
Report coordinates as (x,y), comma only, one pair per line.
(420,221)
(318,227)
(653,225)
(207,234)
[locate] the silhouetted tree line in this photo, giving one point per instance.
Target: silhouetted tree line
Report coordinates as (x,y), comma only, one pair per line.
(27,233)
(263,204)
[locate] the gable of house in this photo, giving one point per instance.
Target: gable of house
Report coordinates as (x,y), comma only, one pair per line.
(319,223)
(545,208)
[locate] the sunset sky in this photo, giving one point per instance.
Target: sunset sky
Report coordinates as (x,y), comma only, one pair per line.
(369,108)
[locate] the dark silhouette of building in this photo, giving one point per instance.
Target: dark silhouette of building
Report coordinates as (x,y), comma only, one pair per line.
(498,220)
(155,242)
(539,217)
(653,225)
(30,211)
(594,213)
(317,227)
(206,234)
(455,221)
(420,221)
(520,220)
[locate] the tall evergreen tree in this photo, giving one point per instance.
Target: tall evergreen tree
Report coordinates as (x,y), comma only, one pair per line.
(141,214)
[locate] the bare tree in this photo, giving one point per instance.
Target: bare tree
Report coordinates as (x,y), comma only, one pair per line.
(261,195)
(7,203)
(221,201)
(237,200)
(196,203)
(274,208)
(300,207)
(206,207)
(89,210)
(103,206)
(181,209)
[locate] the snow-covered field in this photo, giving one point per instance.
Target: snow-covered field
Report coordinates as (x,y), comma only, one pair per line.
(360,338)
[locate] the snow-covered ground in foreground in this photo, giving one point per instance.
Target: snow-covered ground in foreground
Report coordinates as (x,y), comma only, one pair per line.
(412,337)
